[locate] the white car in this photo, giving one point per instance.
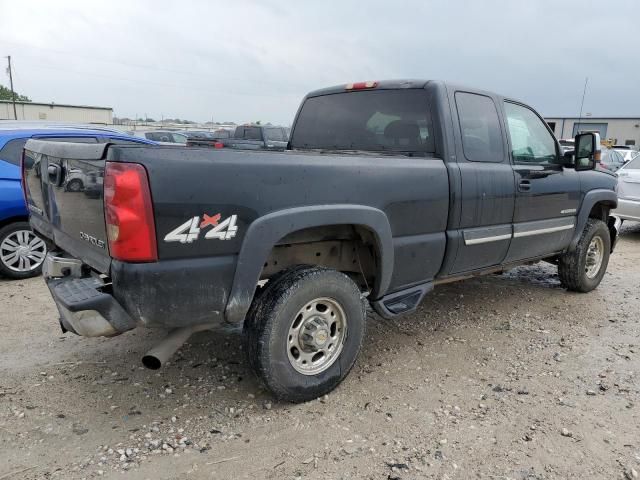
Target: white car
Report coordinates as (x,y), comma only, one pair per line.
(627,153)
(629,191)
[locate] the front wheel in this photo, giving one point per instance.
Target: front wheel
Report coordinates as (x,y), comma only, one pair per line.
(304,331)
(21,251)
(582,269)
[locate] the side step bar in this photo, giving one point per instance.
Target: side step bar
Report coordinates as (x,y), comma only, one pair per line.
(404,301)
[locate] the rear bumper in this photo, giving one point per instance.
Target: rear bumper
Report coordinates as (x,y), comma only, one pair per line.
(86,308)
(167,294)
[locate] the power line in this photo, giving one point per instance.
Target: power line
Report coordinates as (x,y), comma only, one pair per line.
(13,93)
(106,60)
(217,90)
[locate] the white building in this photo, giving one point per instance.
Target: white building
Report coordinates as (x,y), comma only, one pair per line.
(54,112)
(619,130)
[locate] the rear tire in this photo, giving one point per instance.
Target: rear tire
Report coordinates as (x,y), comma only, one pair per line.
(582,269)
(21,251)
(304,331)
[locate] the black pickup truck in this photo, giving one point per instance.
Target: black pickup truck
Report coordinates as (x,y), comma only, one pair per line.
(247,137)
(386,190)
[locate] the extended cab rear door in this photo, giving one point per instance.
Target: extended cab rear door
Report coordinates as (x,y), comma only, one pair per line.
(487,190)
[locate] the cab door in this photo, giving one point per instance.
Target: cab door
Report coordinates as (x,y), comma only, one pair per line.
(547,193)
(487,190)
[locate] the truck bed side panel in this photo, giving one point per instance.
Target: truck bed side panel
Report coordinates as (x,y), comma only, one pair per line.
(187,183)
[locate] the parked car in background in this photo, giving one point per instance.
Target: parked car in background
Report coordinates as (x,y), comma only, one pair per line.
(611,160)
(629,191)
(164,136)
(626,151)
(21,251)
(248,137)
(220,134)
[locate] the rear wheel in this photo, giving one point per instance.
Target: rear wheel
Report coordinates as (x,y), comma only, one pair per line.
(582,269)
(21,251)
(304,331)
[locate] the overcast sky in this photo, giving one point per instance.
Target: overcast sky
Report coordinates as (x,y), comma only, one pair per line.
(254,60)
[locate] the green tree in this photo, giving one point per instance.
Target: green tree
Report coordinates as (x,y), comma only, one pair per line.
(5,94)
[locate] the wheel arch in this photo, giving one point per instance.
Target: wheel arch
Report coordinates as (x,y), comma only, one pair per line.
(15,219)
(596,204)
(267,231)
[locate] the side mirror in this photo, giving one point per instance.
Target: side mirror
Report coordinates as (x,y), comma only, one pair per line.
(588,151)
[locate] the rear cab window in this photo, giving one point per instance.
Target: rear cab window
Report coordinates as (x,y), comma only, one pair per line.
(479,128)
(274,134)
(251,133)
(394,121)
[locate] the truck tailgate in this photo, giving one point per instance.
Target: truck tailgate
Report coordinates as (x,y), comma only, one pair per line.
(64,188)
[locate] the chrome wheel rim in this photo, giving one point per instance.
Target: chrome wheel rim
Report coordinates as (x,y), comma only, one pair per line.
(22,251)
(316,336)
(595,254)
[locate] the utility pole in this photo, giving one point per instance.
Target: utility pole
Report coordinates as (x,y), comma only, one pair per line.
(13,94)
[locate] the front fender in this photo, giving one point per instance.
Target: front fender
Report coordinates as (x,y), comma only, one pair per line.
(591,198)
(263,234)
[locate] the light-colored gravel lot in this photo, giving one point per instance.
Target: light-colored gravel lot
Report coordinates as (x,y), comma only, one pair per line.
(501,377)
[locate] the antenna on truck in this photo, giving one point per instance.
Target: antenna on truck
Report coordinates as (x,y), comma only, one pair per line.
(584,92)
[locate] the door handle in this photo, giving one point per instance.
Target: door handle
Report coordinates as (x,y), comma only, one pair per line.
(524,186)
(55,174)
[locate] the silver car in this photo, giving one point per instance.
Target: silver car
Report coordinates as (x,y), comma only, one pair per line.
(629,191)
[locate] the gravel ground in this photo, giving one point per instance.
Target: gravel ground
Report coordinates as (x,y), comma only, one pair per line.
(501,377)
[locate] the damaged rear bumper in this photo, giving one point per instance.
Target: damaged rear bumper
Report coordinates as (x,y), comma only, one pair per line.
(86,308)
(167,294)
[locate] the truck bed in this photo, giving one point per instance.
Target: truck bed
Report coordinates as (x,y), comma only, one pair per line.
(248,187)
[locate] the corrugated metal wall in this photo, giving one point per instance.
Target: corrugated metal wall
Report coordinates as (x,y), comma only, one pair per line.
(620,130)
(56,113)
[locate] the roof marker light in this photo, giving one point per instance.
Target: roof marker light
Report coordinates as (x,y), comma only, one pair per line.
(361,85)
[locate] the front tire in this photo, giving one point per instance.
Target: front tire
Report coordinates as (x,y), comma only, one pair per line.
(304,331)
(21,251)
(582,269)
(75,185)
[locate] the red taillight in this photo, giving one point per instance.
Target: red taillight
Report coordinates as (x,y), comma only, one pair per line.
(128,213)
(361,85)
(218,145)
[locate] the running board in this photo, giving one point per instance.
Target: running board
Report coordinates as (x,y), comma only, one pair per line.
(402,302)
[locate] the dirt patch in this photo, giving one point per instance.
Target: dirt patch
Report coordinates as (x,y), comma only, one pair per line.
(501,377)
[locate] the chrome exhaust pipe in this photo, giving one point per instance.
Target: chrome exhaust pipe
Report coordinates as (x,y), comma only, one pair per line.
(163,351)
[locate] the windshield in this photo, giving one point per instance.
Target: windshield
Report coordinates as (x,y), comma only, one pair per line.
(372,120)
(633,164)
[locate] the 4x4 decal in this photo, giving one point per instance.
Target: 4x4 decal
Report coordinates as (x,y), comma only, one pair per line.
(190,230)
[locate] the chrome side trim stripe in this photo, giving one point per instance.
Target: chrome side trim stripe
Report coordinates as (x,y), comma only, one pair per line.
(478,241)
(540,231)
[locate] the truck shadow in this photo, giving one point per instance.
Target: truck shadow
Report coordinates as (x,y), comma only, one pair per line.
(213,364)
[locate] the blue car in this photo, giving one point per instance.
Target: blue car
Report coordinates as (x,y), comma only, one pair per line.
(21,251)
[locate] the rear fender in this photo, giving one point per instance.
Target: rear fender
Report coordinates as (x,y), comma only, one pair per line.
(263,234)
